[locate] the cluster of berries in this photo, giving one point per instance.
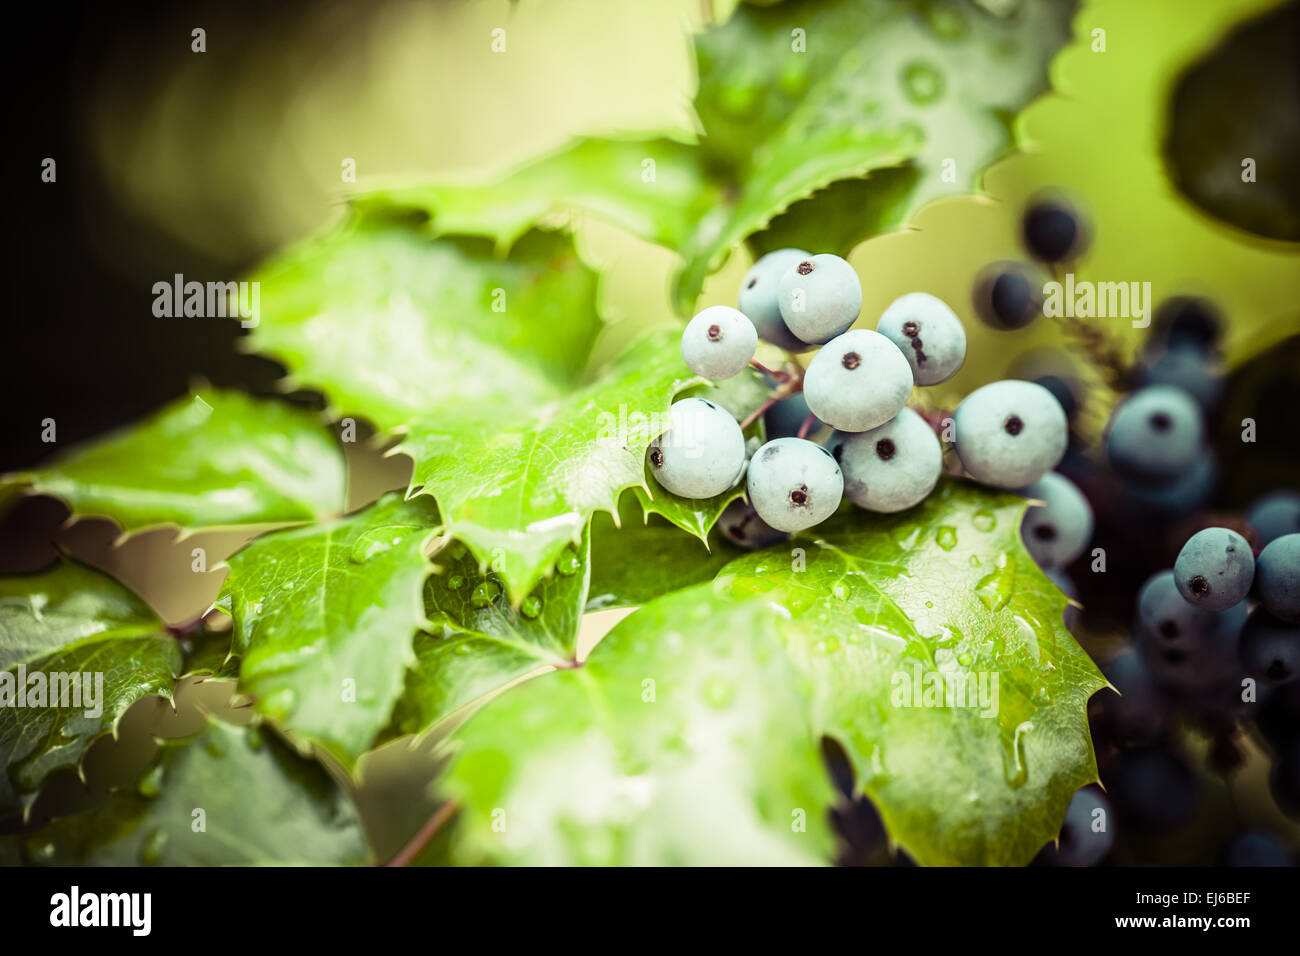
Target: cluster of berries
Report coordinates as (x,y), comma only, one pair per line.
(880,454)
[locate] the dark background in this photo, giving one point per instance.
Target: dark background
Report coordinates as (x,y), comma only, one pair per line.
(83,346)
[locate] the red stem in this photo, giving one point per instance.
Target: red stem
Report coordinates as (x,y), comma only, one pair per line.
(421,839)
(754,415)
(777,374)
(806,426)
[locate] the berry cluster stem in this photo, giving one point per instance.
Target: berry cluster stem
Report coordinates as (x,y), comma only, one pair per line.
(791,383)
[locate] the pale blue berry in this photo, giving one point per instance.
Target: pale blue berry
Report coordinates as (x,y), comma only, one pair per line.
(1008,434)
(857,381)
(1214,569)
(703,452)
(1155,434)
(1277,574)
(1056,532)
(891,467)
(820,297)
(929,335)
(719,342)
(1166,617)
(758,298)
(794,484)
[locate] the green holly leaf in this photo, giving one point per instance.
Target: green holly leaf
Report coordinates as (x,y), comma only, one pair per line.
(519,490)
(794,98)
(652,188)
(226,796)
(644,557)
(885,612)
(208,654)
(938,77)
(76,651)
(215,458)
(324,618)
(395,326)
(684,739)
(479,643)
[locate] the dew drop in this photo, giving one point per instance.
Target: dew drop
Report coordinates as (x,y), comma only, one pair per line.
(984,520)
(532,606)
(965,658)
(568,563)
(946,537)
(829,646)
(1015,769)
(922,82)
(995,588)
(484,594)
(369,545)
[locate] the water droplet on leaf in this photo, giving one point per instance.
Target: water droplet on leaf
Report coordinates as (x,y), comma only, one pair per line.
(568,563)
(485,594)
(922,82)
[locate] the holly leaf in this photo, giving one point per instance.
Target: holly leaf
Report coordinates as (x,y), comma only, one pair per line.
(324,618)
(684,739)
(519,490)
(644,557)
(76,651)
(207,654)
(228,796)
(478,643)
(889,614)
(652,188)
(793,98)
(214,458)
(393,325)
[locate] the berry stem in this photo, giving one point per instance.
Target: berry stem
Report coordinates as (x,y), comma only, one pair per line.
(426,833)
(1101,349)
(790,384)
(777,374)
(758,412)
(806,425)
